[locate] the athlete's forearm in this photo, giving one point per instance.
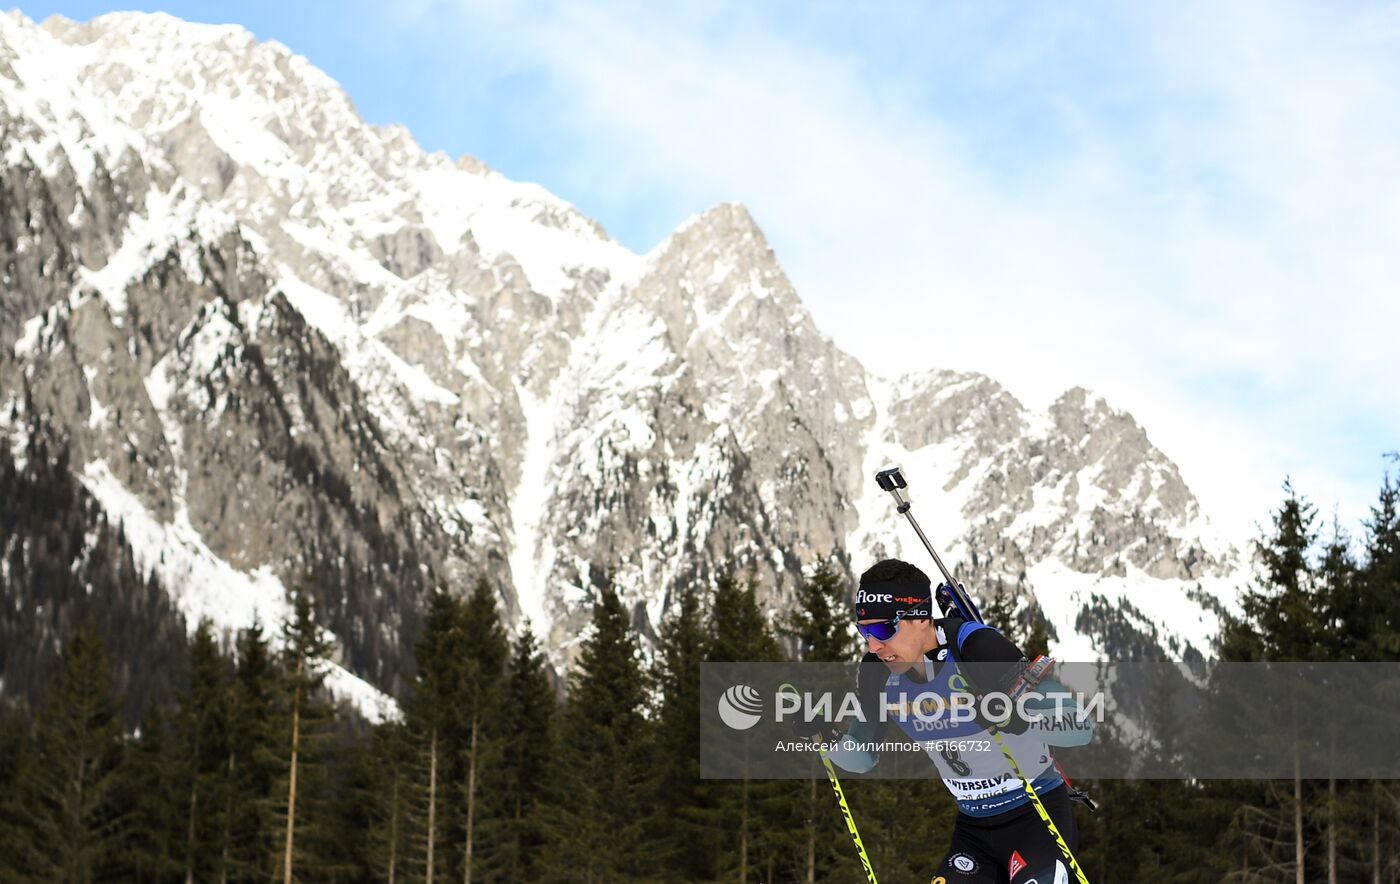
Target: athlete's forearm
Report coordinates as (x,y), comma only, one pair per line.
(1057,717)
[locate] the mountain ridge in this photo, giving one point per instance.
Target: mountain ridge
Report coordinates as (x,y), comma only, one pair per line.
(451,374)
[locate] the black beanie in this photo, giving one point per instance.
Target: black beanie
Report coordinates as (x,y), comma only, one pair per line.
(888,590)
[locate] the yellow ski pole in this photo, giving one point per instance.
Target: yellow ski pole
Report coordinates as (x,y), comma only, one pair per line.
(845,805)
(1040,809)
(850,820)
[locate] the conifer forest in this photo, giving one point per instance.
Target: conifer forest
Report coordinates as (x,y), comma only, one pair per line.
(187,755)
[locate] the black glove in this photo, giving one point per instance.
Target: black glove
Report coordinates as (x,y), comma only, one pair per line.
(816,731)
(1024,676)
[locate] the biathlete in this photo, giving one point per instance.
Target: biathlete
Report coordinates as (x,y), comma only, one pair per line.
(931,666)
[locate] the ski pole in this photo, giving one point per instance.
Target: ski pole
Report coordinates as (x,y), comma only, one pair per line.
(850,820)
(845,806)
(1040,809)
(892,480)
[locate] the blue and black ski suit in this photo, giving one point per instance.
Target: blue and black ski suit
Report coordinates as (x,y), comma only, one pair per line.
(998,835)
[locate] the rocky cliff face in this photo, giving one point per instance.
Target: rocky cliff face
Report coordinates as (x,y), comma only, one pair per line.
(708,425)
(1074,509)
(292,348)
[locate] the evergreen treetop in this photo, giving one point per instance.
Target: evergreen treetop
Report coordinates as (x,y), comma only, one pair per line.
(821,618)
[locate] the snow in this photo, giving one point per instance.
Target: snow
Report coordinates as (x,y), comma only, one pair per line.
(445,310)
(1090,496)
(1213,542)
(414,380)
(359,264)
(392,386)
(501,216)
(208,586)
(930,472)
(176,222)
(629,353)
(707,322)
(160,387)
(29,339)
(529,566)
(1047,507)
(210,342)
(336,184)
(77,126)
(204,586)
(376,706)
(97,412)
(227,122)
(473,513)
(1062,592)
(688,479)
(325,312)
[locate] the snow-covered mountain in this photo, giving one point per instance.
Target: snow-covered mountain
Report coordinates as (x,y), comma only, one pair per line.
(290,347)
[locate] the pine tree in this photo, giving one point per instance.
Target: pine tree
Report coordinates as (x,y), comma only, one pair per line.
(741,633)
(685,833)
(527,734)
(147,790)
(377,802)
(753,814)
(596,812)
(1283,620)
(201,756)
(431,722)
(1346,629)
(16,758)
(1379,586)
(74,826)
(1163,809)
(1107,840)
(1024,625)
(1038,640)
(1347,633)
(820,625)
(252,839)
(302,790)
(64,564)
(1000,612)
(1280,617)
(820,620)
(483,648)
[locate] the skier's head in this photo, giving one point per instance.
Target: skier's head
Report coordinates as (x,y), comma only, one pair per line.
(894,610)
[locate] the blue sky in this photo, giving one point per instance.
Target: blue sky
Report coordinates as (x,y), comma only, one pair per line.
(1193,208)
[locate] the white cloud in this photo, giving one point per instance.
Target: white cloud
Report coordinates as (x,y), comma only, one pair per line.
(1211,243)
